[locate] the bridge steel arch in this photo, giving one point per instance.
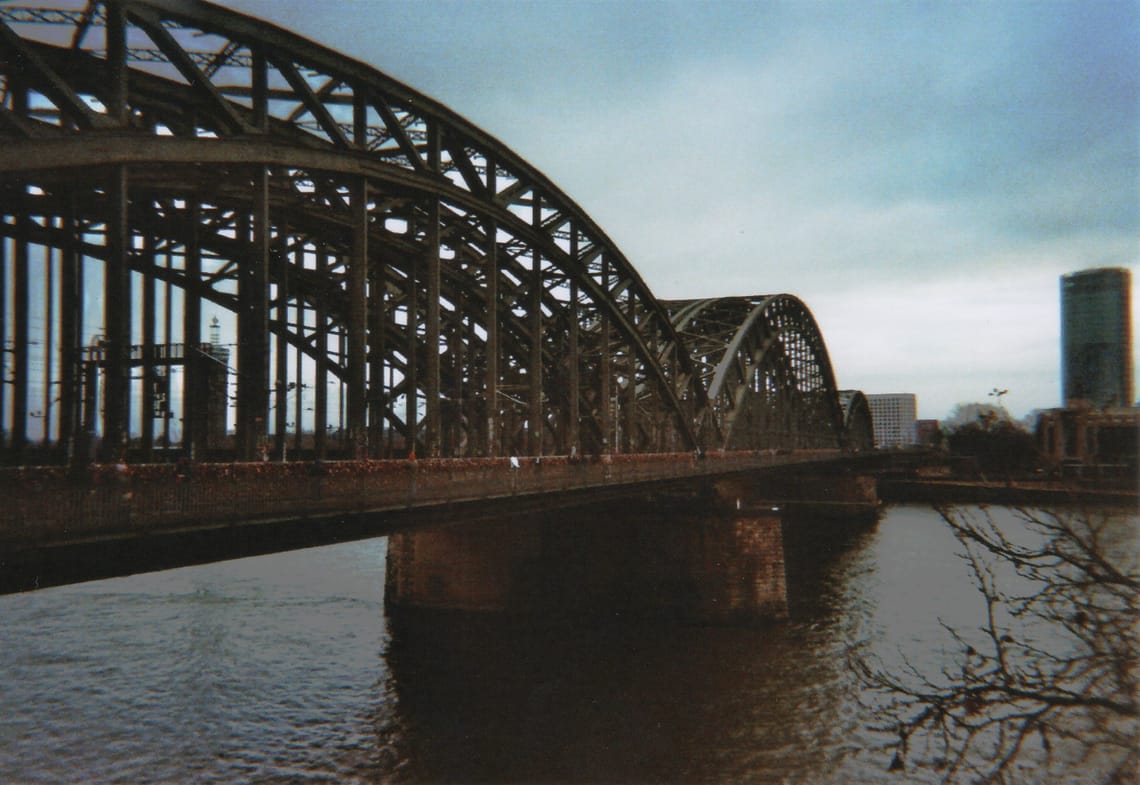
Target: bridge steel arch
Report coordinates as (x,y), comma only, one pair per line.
(857,421)
(764,363)
(347,228)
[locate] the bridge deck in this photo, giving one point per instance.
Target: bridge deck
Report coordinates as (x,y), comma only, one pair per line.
(45,506)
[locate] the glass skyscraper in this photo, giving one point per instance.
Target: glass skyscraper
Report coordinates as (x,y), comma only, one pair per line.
(1096,337)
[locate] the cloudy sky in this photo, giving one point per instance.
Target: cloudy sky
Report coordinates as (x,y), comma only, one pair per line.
(920,173)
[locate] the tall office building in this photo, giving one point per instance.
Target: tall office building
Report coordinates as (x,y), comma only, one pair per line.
(1096,338)
(893,419)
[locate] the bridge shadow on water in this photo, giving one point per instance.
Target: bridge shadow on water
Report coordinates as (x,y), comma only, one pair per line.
(611,693)
(813,544)
(89,560)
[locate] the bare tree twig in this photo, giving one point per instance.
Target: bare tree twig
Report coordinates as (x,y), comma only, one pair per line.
(1048,683)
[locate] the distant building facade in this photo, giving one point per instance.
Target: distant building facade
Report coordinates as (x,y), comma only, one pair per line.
(1099,443)
(894,418)
(1096,338)
(927,433)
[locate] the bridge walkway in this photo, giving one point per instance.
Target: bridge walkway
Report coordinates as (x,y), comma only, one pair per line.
(46,506)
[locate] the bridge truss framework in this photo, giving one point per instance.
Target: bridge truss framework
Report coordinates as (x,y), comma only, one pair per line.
(162,159)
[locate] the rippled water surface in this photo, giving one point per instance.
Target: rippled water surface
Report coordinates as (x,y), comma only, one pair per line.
(284,668)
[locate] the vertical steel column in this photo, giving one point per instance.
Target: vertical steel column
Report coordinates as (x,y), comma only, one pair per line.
(377,396)
(148,357)
(18,95)
(253,327)
(259,92)
(281,352)
(411,375)
(535,413)
(358,321)
(117,320)
(70,315)
(259,89)
(359,398)
(90,404)
(660,422)
(49,336)
(85,427)
(390,408)
(4,429)
(116,282)
(117,73)
(21,369)
(491,322)
(629,397)
(432,338)
(464,419)
(299,359)
(432,335)
(342,352)
(167,351)
(321,393)
(574,381)
(605,360)
(168,341)
(194,404)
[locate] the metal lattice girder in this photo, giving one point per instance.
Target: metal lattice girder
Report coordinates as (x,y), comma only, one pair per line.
(766,369)
(366,225)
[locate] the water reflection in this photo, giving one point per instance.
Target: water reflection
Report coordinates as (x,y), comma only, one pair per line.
(489,701)
(486,699)
(285,668)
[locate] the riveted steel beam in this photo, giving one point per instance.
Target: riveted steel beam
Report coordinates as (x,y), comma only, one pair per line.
(70,325)
(116,318)
(357,295)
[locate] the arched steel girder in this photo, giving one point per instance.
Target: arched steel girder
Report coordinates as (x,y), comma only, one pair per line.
(858,423)
(763,360)
(457,283)
(169,81)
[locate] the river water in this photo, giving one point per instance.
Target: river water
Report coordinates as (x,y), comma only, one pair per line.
(284,668)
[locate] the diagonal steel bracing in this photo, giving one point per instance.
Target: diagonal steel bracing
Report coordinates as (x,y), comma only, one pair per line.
(364,244)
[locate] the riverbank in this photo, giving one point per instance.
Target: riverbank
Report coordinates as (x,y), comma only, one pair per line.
(902,491)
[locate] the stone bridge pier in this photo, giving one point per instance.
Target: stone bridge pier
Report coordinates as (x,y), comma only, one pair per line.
(712,557)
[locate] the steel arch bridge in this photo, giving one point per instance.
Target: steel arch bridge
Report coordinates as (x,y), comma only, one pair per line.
(162,160)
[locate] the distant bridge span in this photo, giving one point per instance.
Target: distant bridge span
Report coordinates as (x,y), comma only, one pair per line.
(369,250)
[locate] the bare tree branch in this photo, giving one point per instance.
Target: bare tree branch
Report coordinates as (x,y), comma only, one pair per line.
(1046,686)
